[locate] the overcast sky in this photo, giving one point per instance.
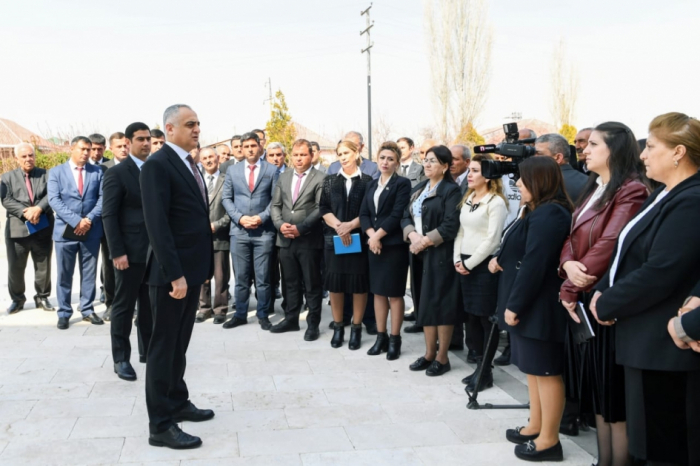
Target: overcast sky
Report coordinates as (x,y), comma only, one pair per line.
(97,66)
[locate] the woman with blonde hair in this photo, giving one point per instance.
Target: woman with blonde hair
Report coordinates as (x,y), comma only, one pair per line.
(341,200)
(482,215)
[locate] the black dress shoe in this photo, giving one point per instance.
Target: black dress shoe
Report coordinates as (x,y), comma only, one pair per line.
(504,358)
(286,325)
(528,452)
(107,316)
(436,368)
(174,438)
(413,329)
(371,328)
(265,323)
(192,414)
(569,428)
(43,303)
(93,318)
(381,345)
(102,294)
(15,307)
(514,436)
(355,340)
(234,322)
(203,316)
(62,323)
(394,350)
(471,357)
(219,318)
(311,333)
(420,364)
(410,317)
(125,371)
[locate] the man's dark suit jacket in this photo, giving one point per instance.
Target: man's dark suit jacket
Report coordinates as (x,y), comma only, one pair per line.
(574,181)
(16,198)
(218,215)
(122,213)
(303,213)
(177,222)
(657,270)
(107,165)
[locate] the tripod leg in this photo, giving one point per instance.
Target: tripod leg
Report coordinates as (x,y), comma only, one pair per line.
(487,359)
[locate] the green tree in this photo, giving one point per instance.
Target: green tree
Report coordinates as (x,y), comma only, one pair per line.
(569,132)
(279,127)
(470,136)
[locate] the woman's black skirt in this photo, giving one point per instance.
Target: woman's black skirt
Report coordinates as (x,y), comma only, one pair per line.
(479,290)
(537,357)
(346,273)
(388,271)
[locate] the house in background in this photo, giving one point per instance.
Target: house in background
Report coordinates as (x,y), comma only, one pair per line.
(12,134)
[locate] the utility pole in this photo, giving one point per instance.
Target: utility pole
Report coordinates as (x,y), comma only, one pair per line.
(369,79)
(269,86)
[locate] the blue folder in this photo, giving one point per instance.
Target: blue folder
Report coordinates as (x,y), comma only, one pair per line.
(43,223)
(354,247)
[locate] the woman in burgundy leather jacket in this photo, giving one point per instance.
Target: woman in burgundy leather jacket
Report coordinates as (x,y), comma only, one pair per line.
(615,191)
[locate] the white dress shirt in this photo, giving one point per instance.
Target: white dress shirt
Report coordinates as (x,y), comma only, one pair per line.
(211,178)
(461,178)
(378,192)
(256,172)
(303,180)
(182,153)
(139,163)
(75,173)
(348,178)
(597,194)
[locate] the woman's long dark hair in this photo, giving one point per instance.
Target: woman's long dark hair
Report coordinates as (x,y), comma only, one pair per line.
(542,177)
(624,163)
(444,156)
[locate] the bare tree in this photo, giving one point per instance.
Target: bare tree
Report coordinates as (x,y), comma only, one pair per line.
(382,130)
(565,86)
(460,40)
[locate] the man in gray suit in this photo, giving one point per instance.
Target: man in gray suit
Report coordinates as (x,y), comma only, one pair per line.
(557,147)
(247,195)
(408,167)
(316,158)
(296,216)
(25,200)
(220,222)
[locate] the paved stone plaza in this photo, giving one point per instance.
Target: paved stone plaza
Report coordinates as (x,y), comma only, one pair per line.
(278,400)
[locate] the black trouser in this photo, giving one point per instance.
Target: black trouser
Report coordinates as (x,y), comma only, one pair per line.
(40,246)
(416,262)
(301,269)
(478,330)
(130,288)
(107,272)
(173,319)
(222,275)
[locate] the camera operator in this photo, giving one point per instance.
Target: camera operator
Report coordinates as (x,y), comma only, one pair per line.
(557,147)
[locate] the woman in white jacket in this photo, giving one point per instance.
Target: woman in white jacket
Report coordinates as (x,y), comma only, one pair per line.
(482,217)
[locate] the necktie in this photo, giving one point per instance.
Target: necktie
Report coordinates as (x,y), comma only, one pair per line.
(251,177)
(197,178)
(297,187)
(210,185)
(29,188)
(80,180)
(404,170)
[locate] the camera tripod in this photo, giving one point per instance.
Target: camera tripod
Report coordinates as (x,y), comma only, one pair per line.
(488,359)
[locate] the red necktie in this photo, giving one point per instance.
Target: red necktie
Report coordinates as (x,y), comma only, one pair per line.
(29,188)
(251,177)
(80,181)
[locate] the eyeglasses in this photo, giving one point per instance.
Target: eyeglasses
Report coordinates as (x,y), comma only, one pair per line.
(430,161)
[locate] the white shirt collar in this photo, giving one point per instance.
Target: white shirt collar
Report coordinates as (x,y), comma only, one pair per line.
(139,163)
(215,174)
(182,153)
(72,164)
(349,177)
(461,177)
(303,173)
(257,164)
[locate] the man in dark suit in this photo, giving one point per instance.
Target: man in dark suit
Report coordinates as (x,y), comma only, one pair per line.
(220,222)
(408,168)
(75,195)
(556,146)
(300,239)
(157,140)
(247,196)
(367,166)
(25,200)
(316,158)
(180,260)
(120,148)
(125,230)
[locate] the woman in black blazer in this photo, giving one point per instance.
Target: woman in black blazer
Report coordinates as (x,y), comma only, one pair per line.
(653,270)
(380,218)
(529,307)
(430,223)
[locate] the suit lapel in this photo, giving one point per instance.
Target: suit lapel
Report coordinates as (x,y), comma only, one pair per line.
(264,166)
(385,193)
(188,176)
(217,187)
(309,177)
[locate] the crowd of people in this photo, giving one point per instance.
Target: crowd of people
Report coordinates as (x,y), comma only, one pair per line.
(600,237)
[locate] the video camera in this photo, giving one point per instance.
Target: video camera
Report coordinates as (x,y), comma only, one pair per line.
(511,148)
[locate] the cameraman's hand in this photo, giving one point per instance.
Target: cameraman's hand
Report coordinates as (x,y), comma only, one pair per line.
(571,307)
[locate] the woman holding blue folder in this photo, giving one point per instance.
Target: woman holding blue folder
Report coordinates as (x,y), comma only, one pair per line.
(345,248)
(380,217)
(430,224)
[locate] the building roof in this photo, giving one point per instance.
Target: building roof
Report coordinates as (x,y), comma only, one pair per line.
(496,135)
(305,133)
(12,134)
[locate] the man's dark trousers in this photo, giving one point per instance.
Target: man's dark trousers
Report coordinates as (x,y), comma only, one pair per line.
(130,288)
(39,245)
(302,264)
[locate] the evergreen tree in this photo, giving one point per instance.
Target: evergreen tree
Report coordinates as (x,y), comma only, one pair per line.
(280,128)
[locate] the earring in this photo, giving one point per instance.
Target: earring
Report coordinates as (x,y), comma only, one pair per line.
(443,172)
(675,163)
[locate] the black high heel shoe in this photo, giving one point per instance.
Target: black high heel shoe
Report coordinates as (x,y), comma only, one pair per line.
(338,335)
(394,350)
(381,345)
(355,337)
